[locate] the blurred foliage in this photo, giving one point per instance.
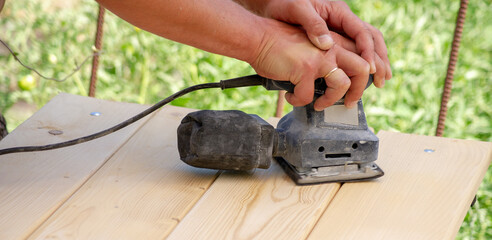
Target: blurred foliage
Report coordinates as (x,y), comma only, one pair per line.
(137,66)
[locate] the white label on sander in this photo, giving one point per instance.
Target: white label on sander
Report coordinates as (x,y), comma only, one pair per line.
(341,114)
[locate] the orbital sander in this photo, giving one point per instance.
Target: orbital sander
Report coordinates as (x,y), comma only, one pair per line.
(333,145)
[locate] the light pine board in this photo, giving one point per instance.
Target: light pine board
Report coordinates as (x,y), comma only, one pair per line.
(145,192)
(142,192)
(423,195)
(34,185)
(262,204)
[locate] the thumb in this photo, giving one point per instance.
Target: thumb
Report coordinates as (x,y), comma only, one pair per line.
(314,25)
(318,33)
(316,28)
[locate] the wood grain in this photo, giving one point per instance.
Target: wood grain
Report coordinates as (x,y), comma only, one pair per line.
(263,204)
(34,185)
(142,192)
(423,195)
(131,185)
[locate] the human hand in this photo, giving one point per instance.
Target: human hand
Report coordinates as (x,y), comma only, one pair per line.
(316,15)
(285,53)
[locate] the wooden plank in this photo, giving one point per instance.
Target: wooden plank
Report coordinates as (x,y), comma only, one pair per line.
(423,195)
(34,185)
(264,204)
(142,192)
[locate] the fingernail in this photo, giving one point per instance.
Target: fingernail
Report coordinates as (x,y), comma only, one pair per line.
(318,109)
(351,104)
(388,70)
(325,42)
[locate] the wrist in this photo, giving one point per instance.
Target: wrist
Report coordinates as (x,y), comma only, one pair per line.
(259,43)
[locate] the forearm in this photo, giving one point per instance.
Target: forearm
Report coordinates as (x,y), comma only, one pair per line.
(217,26)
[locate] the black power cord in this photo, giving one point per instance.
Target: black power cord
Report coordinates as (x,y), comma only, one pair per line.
(114,128)
(246,81)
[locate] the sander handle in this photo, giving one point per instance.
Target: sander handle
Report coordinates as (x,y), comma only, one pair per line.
(270,84)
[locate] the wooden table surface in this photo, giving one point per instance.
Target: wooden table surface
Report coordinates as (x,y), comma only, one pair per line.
(132,185)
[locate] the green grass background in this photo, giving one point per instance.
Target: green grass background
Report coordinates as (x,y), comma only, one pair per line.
(137,66)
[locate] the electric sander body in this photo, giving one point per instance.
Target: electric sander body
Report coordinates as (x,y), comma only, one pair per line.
(333,145)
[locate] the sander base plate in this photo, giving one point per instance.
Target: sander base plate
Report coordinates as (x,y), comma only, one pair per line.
(350,172)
